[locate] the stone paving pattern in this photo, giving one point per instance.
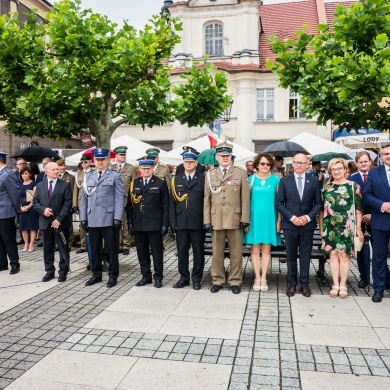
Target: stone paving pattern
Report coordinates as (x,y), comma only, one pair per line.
(265,356)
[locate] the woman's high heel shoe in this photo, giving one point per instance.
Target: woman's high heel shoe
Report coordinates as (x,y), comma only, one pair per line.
(263,288)
(256,288)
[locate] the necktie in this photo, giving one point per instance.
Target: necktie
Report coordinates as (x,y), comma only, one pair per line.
(224,172)
(364,178)
(145,183)
(100,175)
(189,179)
(50,188)
(300,189)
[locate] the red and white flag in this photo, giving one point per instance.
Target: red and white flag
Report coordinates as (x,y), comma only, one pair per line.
(212,136)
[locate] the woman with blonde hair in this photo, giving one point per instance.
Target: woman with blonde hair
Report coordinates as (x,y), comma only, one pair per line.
(265,222)
(340,218)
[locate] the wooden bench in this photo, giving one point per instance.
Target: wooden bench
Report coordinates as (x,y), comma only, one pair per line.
(280,253)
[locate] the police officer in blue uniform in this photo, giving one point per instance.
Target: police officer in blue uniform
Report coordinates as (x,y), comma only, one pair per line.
(9,208)
(101,212)
(148,217)
(186,219)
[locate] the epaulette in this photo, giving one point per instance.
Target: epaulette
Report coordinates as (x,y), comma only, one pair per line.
(242,169)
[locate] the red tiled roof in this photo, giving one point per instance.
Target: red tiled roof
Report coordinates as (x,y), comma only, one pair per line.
(330,9)
(282,20)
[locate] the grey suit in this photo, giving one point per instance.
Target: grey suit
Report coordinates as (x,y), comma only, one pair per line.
(102,202)
(9,208)
(290,204)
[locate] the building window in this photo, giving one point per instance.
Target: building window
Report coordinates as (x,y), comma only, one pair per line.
(214,39)
(265,104)
(294,106)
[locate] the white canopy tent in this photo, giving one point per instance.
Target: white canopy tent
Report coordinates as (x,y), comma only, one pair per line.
(373,141)
(174,157)
(354,152)
(317,145)
(136,149)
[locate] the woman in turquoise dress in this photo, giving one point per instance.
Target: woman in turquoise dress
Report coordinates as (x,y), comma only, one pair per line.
(265,221)
(342,213)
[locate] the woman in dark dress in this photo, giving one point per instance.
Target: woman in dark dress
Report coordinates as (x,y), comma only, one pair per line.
(28,219)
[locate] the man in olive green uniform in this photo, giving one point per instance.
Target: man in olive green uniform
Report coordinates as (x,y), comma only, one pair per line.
(159,170)
(68,177)
(78,191)
(226,214)
(128,173)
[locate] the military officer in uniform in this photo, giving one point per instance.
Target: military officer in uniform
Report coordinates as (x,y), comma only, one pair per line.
(199,168)
(148,217)
(66,176)
(159,170)
(186,219)
(10,207)
(226,214)
(128,173)
(78,190)
(101,212)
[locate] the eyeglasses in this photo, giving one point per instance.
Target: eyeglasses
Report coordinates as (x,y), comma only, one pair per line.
(299,163)
(337,169)
(84,162)
(265,164)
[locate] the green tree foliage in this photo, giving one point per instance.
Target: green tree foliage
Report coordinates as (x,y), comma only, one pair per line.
(81,71)
(342,74)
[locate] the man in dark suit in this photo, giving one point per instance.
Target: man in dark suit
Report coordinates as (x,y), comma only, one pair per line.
(377,195)
(186,219)
(42,175)
(10,208)
(299,201)
(148,216)
(101,212)
(363,163)
(53,201)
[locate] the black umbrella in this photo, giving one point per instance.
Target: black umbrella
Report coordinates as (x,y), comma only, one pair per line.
(285,149)
(36,153)
(366,257)
(62,246)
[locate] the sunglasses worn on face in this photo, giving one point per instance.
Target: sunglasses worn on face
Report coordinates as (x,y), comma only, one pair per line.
(84,162)
(265,164)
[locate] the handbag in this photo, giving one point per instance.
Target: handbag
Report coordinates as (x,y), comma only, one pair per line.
(357,244)
(30,195)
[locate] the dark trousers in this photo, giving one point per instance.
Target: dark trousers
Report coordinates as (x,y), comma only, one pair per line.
(155,240)
(185,238)
(8,245)
(302,240)
(360,254)
(380,269)
(96,236)
(49,242)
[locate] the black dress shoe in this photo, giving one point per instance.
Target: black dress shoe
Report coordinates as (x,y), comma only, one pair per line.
(40,245)
(111,282)
(93,280)
(143,282)
(47,277)
(291,290)
(305,291)
(80,251)
(196,286)
(377,297)
(14,270)
(215,288)
(20,242)
(236,289)
(120,251)
(4,268)
(362,284)
(88,267)
(126,252)
(181,284)
(61,278)
(158,283)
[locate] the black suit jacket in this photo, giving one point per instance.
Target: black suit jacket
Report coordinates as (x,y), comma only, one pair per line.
(289,203)
(151,212)
(357,178)
(187,214)
(40,177)
(60,202)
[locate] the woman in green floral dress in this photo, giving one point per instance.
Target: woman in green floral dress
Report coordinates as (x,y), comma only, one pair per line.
(337,223)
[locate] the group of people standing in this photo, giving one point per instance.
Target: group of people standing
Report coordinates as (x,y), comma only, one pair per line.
(115,202)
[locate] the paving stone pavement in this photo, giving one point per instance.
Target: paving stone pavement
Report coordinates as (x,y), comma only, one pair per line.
(265,356)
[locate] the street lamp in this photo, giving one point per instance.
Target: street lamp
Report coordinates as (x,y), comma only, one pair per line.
(225,116)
